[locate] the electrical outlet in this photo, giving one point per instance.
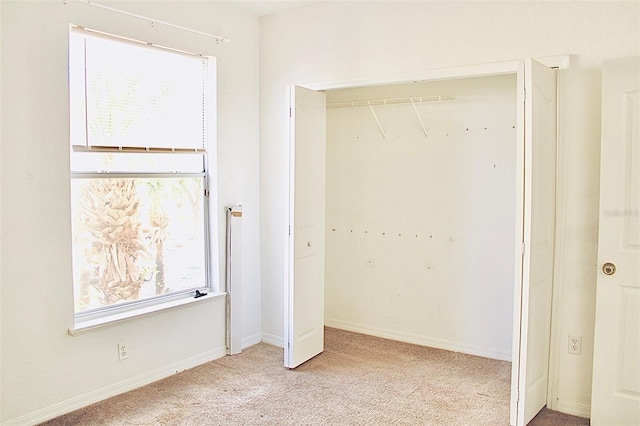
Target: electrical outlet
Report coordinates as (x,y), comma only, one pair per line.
(575,345)
(123,351)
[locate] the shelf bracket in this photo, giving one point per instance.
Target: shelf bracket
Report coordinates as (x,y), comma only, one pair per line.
(426,134)
(377,121)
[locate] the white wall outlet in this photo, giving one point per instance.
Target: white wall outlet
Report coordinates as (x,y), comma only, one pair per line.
(123,351)
(575,345)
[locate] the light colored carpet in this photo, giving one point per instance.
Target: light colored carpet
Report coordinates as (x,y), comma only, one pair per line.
(357,380)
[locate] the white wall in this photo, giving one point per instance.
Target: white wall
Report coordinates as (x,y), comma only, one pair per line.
(347,40)
(1,281)
(420,231)
(44,370)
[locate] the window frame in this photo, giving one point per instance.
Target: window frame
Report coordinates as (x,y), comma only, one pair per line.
(105,315)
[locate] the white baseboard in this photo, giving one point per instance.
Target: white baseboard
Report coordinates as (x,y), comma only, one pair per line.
(573,408)
(251,340)
(448,345)
(272,339)
(97,395)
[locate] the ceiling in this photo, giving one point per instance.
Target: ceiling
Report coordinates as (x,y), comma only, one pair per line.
(268,7)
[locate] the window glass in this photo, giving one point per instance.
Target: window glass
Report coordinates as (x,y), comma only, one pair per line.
(136,238)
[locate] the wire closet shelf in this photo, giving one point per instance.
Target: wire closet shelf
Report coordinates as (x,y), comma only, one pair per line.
(389,101)
(370,103)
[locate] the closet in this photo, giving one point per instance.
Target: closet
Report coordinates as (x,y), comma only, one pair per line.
(421,208)
(420,212)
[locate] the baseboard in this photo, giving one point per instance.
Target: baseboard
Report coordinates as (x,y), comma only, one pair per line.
(419,340)
(573,408)
(251,340)
(272,339)
(97,395)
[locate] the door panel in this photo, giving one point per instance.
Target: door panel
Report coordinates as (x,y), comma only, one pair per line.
(304,313)
(538,194)
(616,358)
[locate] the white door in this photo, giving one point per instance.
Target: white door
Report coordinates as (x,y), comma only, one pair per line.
(615,396)
(532,310)
(304,309)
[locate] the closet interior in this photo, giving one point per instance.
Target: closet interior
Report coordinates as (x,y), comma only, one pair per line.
(421,212)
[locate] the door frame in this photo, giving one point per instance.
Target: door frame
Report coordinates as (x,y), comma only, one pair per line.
(500,68)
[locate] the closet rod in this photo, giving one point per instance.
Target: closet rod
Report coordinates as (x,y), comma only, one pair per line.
(389,101)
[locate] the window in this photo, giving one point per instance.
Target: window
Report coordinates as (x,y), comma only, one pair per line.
(139,201)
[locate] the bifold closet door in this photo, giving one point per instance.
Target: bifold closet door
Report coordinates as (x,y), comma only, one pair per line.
(533,249)
(533,323)
(304,290)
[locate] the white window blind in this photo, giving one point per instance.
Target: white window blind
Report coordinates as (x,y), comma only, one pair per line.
(135,96)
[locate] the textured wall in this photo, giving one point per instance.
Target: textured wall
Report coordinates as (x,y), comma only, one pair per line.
(420,231)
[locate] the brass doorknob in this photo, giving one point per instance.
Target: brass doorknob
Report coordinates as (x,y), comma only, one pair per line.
(609,268)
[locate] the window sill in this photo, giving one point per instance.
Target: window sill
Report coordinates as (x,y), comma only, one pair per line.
(88,325)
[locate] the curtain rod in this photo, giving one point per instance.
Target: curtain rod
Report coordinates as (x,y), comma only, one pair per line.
(217,38)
